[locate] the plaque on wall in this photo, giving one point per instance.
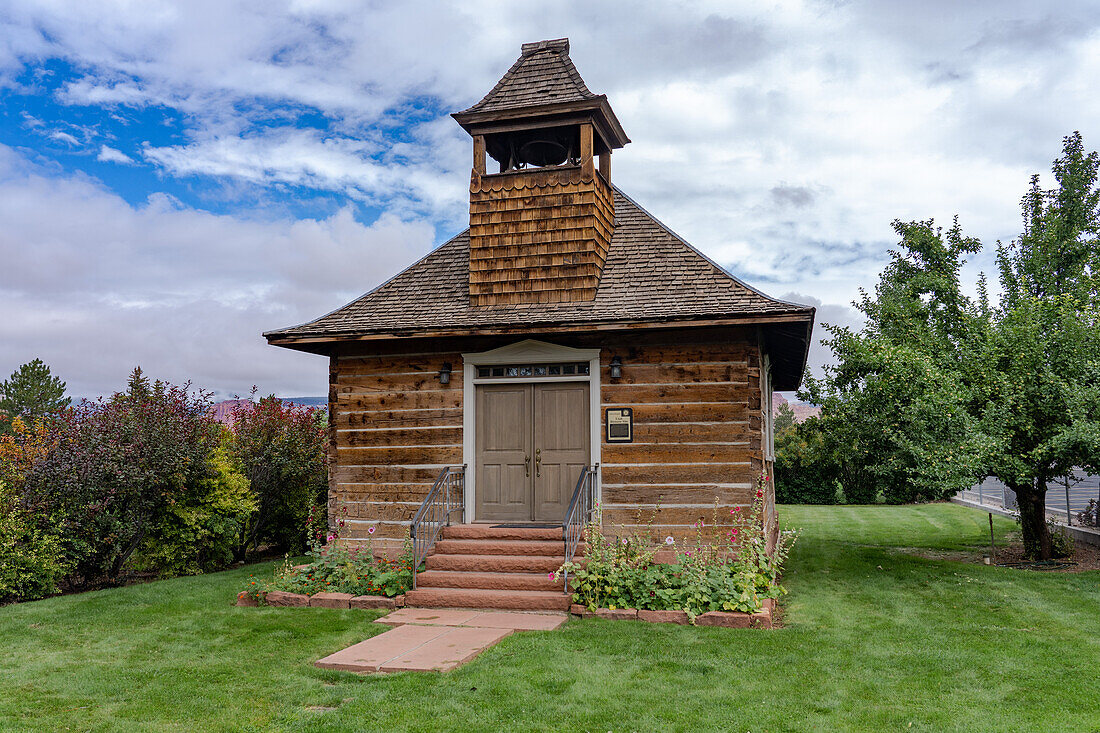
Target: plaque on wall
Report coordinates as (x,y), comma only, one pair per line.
(620,425)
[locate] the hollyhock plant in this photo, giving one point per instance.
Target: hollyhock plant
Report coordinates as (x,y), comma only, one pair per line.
(734,570)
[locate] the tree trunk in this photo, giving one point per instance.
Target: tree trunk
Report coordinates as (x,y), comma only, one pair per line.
(1032,501)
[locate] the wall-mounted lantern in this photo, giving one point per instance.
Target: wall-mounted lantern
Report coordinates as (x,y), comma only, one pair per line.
(616,367)
(445,373)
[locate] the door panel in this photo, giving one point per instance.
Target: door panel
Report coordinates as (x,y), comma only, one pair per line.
(503,442)
(561,442)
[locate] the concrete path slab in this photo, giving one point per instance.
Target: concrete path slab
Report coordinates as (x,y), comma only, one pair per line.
(426,640)
(428,616)
(455,646)
(518,621)
(370,655)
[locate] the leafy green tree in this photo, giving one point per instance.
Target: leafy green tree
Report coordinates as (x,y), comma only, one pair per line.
(31,392)
(894,415)
(1041,361)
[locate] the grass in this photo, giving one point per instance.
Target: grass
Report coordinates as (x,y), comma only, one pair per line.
(878,637)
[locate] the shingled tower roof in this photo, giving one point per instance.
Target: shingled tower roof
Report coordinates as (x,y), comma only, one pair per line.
(543,74)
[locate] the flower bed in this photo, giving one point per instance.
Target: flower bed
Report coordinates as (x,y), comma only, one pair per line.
(336,569)
(730,572)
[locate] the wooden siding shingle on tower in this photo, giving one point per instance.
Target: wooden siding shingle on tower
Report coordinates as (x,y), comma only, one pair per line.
(538,236)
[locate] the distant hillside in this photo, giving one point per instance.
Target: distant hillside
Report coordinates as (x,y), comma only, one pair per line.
(223,411)
(802,410)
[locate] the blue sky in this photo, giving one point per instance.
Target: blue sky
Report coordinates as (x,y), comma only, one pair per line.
(176,178)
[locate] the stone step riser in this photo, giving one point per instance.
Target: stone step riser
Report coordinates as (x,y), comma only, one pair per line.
(489,532)
(464,598)
(494,563)
(487,581)
(500,547)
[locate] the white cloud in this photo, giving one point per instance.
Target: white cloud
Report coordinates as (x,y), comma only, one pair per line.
(64,137)
(112,155)
(780,138)
(94,286)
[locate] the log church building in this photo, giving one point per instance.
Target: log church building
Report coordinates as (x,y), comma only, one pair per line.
(565,349)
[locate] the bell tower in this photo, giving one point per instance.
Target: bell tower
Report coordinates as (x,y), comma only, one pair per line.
(541,221)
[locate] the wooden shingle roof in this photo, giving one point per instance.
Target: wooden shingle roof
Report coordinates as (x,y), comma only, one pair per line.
(543,74)
(651,275)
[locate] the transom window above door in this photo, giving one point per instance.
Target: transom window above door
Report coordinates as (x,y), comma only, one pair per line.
(533,370)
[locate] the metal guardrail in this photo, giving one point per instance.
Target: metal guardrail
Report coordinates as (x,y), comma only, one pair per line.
(579,512)
(446,497)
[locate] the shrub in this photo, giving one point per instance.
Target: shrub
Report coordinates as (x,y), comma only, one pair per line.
(199,531)
(31,561)
(805,473)
(116,467)
(734,572)
(281,449)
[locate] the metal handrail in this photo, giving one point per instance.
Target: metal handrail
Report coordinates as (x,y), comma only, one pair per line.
(446,497)
(579,513)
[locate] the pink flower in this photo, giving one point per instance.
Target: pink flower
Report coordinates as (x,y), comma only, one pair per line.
(370,530)
(759,494)
(330,537)
(669,540)
(550,575)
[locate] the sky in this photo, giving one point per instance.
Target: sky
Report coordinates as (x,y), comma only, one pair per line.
(178,177)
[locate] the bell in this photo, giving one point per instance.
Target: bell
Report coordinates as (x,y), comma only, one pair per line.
(543,152)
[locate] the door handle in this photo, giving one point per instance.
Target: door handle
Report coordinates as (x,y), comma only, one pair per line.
(538,462)
(527,466)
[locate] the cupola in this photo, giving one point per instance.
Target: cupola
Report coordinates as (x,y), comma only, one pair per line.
(541,221)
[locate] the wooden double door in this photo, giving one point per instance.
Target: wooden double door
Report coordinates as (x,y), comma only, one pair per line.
(531,442)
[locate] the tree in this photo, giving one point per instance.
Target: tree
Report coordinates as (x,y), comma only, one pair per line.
(281,448)
(1041,358)
(784,418)
(32,393)
(894,415)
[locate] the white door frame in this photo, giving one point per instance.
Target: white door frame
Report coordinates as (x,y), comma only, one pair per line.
(528,351)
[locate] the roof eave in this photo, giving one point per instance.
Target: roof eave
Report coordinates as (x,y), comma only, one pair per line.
(291,340)
(611,129)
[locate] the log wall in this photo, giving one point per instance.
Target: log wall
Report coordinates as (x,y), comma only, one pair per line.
(698,430)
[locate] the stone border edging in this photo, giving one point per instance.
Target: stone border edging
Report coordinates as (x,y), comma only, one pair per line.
(762,619)
(283,599)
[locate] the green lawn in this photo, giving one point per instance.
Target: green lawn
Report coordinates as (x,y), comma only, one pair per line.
(877,638)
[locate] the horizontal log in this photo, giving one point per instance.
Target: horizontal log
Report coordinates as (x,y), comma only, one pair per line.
(348,438)
(394,363)
(641,494)
(382,511)
(689,412)
(687,474)
(664,515)
(678,393)
(681,373)
(422,400)
(394,382)
(650,432)
(363,493)
(416,455)
(675,453)
(721,351)
(397,419)
(384,474)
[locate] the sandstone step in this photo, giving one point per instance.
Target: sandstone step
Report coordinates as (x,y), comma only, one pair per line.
(494,563)
(494,532)
(501,547)
(489,581)
(528,600)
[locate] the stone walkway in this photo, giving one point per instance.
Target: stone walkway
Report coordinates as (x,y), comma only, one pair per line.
(434,639)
